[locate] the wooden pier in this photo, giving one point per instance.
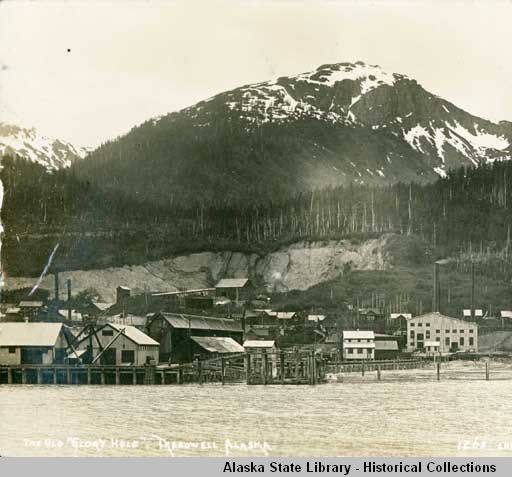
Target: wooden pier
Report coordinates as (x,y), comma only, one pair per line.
(281,367)
(75,374)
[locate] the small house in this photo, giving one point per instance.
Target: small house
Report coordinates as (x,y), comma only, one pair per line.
(358,345)
(33,343)
(236,289)
(30,309)
(257,348)
(398,321)
(478,313)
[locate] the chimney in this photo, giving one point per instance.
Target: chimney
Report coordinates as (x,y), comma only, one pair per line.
(435,298)
(69,299)
(472,291)
(57,284)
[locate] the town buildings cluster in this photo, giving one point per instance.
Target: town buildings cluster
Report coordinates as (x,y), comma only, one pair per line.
(188,325)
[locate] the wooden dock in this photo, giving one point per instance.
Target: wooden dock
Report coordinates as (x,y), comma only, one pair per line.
(281,367)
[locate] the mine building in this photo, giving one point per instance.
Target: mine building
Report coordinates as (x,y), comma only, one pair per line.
(452,334)
(114,344)
(33,343)
(174,332)
(236,289)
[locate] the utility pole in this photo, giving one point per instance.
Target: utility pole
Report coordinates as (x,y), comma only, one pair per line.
(472,291)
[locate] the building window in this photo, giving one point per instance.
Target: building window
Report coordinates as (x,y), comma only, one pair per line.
(412,324)
(454,331)
(447,341)
(412,343)
(350,351)
(368,341)
(438,331)
(427,324)
(462,340)
(107,333)
(359,350)
(427,334)
(12,349)
(461,331)
(471,341)
(471,331)
(420,324)
(438,339)
(127,356)
(412,334)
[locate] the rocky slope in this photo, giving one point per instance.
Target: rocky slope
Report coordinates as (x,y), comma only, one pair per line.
(339,124)
(297,267)
(30,144)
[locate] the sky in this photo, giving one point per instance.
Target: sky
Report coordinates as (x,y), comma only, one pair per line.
(88,71)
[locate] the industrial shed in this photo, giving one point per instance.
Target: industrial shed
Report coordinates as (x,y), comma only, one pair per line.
(236,289)
(174,332)
(116,344)
(212,346)
(33,343)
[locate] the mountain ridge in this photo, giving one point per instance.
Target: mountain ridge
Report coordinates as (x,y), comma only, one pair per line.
(30,144)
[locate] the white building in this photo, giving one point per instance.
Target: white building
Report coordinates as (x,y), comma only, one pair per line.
(431,348)
(452,334)
(33,343)
(127,345)
(358,345)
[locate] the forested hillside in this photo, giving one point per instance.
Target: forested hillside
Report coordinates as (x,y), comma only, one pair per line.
(468,212)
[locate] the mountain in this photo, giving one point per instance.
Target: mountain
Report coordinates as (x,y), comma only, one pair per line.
(340,124)
(30,144)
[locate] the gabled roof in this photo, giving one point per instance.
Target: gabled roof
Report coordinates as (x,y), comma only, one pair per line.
(435,315)
(232,283)
(102,306)
(218,344)
(358,335)
(506,314)
(285,315)
(13,310)
(135,335)
(29,334)
(394,316)
(127,320)
(259,343)
(197,322)
(30,304)
(316,317)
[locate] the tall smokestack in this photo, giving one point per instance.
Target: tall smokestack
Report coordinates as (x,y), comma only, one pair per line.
(69,299)
(435,298)
(472,291)
(57,284)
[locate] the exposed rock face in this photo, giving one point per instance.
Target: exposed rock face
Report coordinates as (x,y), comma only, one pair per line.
(297,267)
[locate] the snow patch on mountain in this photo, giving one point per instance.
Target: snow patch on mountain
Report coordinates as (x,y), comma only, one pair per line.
(28,143)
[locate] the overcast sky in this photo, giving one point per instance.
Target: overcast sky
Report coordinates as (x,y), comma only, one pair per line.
(132,60)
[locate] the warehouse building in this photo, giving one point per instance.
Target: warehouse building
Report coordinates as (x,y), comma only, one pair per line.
(452,334)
